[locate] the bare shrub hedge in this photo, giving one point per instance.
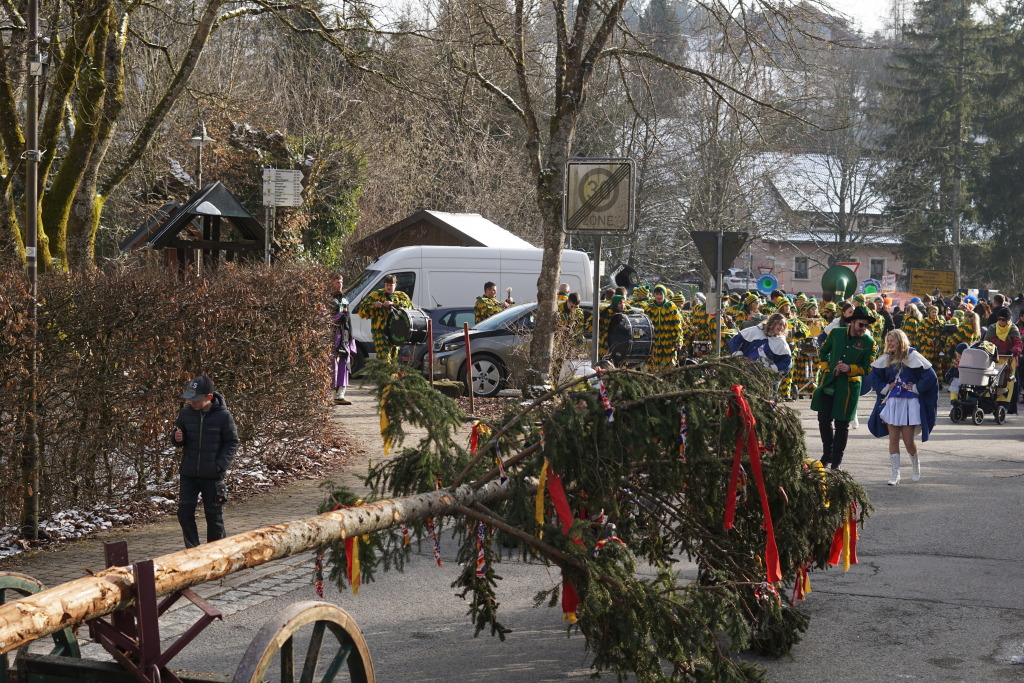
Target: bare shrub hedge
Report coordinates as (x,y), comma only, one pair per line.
(119,345)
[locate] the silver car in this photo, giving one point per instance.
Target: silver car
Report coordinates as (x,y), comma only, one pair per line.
(500,345)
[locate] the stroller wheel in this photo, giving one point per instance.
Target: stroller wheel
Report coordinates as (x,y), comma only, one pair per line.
(979,416)
(956,414)
(1000,415)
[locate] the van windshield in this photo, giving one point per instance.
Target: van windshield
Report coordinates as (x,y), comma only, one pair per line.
(361,281)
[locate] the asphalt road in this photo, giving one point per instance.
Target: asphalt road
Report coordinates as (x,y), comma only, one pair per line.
(936,595)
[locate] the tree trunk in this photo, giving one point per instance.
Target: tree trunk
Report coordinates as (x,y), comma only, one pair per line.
(49,611)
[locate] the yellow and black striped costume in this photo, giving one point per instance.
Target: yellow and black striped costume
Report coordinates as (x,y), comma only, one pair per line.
(912,328)
(797,331)
(486,307)
(930,336)
(668,328)
(378,318)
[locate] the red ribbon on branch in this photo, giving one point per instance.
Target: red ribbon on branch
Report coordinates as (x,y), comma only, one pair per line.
(570,600)
(747,436)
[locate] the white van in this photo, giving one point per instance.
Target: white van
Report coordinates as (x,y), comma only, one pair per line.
(436,276)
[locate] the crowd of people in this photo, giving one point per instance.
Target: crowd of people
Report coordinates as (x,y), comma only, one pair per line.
(832,350)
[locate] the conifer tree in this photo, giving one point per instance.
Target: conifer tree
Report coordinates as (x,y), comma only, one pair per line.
(652,467)
(1001,204)
(932,109)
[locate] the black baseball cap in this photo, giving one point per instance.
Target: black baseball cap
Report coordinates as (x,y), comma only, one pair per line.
(200,387)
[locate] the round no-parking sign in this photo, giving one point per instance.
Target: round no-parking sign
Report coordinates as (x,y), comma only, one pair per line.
(599,195)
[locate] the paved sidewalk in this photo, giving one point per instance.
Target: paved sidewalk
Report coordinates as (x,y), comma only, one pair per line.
(297,500)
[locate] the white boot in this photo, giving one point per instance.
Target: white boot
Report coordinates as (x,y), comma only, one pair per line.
(895,458)
(916,462)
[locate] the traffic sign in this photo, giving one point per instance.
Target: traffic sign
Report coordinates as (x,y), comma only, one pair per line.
(707,246)
(282,187)
(599,196)
(927,281)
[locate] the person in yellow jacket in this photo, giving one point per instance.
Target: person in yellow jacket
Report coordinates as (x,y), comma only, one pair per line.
(796,330)
(807,362)
(377,307)
(912,326)
(640,298)
(604,323)
(683,344)
(487,305)
(668,328)
(930,335)
(751,313)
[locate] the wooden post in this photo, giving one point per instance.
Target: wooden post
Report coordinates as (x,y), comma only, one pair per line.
(49,611)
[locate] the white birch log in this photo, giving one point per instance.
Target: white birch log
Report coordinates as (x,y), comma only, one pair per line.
(68,604)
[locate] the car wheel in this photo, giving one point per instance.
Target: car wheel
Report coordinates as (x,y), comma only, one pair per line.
(488,376)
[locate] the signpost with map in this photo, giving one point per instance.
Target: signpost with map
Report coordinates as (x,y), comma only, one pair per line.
(598,201)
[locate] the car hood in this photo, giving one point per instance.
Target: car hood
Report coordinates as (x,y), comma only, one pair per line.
(473,334)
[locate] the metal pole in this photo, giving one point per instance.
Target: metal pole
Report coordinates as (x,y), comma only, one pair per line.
(266,235)
(597,303)
(199,165)
(469,367)
(721,295)
(430,351)
(30,456)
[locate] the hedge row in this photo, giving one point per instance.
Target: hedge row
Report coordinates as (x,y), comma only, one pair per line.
(117,348)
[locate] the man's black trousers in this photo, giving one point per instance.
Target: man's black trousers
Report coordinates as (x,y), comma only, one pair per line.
(214,495)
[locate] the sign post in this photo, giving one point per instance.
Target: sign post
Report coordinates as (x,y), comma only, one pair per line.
(717,249)
(281,187)
(598,201)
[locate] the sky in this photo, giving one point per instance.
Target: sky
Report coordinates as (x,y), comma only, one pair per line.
(868,14)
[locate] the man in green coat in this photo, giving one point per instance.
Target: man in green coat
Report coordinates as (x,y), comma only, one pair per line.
(849,352)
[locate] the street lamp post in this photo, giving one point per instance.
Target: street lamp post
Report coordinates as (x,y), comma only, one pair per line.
(199,140)
(30,461)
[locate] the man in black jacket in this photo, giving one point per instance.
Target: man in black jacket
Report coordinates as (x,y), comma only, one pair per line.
(205,431)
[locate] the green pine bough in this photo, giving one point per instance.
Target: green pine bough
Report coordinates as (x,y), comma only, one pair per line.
(625,477)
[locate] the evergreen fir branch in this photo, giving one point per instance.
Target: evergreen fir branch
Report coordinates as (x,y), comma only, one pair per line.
(626,478)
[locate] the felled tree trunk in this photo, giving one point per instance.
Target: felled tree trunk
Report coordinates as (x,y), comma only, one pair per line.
(39,615)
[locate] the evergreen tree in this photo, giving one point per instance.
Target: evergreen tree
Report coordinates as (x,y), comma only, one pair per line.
(932,110)
(697,461)
(1001,204)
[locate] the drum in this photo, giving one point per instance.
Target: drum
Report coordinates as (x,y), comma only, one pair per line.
(630,337)
(808,346)
(700,349)
(407,326)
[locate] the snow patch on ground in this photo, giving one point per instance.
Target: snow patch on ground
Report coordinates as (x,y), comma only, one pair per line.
(250,474)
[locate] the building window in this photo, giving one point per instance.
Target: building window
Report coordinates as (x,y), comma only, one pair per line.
(800,268)
(877,268)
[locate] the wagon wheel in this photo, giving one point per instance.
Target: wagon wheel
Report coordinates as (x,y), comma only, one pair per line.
(14,586)
(276,640)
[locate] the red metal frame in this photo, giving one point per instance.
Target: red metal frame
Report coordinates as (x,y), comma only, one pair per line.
(132,636)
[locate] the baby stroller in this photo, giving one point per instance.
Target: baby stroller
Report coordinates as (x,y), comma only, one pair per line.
(983,380)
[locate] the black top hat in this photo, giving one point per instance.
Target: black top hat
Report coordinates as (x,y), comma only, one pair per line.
(862,313)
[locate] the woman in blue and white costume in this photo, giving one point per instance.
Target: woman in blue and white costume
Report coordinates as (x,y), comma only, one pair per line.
(908,394)
(765,344)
